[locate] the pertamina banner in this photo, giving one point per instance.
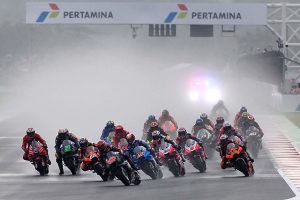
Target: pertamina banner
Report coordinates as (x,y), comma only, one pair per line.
(145,13)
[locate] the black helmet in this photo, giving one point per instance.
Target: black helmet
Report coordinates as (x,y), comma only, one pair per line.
(165,112)
(243,109)
(182,132)
(83,142)
(220,120)
(30,132)
(110,124)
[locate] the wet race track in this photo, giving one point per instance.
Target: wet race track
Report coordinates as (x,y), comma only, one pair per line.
(19,180)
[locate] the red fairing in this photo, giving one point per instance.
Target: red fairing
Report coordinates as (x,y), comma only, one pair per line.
(41,152)
(27,140)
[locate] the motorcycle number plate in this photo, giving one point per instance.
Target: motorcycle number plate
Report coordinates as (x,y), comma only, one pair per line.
(111,160)
(252,134)
(67,148)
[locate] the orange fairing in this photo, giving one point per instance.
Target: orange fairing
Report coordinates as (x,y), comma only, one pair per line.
(232,151)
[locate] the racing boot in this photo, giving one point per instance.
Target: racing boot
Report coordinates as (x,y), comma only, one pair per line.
(60,166)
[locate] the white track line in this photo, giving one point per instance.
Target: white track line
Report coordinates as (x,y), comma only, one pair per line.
(12,138)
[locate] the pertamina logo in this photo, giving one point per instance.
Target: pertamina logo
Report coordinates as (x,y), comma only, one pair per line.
(180,15)
(53,14)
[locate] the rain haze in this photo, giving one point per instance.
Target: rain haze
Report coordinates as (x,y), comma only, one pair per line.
(79,76)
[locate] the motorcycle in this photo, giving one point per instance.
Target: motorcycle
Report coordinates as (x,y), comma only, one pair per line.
(115,163)
(91,159)
(70,155)
(145,161)
(236,156)
(142,159)
(195,154)
(170,129)
(169,157)
(205,137)
(37,155)
(253,139)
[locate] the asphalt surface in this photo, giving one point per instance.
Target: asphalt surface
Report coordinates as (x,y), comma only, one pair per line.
(19,180)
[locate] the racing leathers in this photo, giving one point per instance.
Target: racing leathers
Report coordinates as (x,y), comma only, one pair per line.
(58,141)
(196,128)
(103,156)
(237,117)
(118,136)
(244,124)
(27,142)
(181,141)
(149,133)
(105,133)
(156,144)
(147,128)
(229,133)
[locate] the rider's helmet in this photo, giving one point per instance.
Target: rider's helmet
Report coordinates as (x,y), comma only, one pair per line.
(155,135)
(223,139)
(151,118)
(199,122)
(244,115)
(203,116)
(165,112)
(110,124)
(119,129)
(130,138)
(182,132)
(220,102)
(83,142)
(102,145)
(30,132)
(227,127)
(63,131)
(220,120)
(243,109)
(153,124)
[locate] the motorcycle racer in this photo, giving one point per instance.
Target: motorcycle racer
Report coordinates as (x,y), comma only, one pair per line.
(28,138)
(63,134)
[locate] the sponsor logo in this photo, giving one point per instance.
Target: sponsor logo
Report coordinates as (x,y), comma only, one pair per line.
(52,14)
(180,15)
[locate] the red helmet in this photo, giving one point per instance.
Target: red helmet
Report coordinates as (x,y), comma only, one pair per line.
(101,145)
(130,138)
(119,128)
